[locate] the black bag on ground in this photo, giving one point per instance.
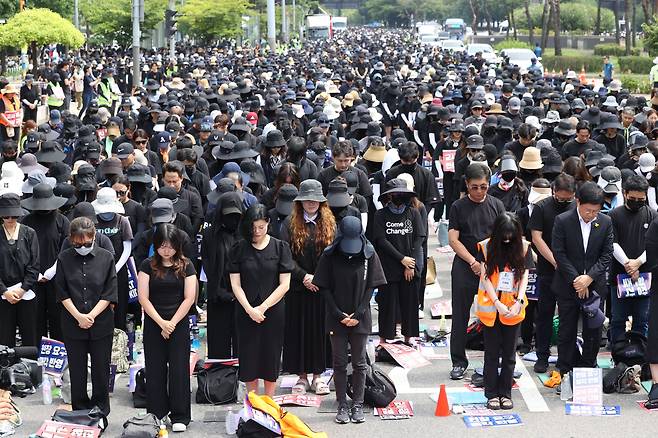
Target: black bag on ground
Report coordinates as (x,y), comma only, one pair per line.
(612,378)
(631,350)
(141,426)
(474,336)
(139,395)
(251,429)
(217,385)
(379,391)
(84,417)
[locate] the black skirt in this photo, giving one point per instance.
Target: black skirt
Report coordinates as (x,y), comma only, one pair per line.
(260,345)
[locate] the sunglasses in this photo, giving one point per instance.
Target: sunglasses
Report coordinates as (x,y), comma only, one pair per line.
(141,141)
(10,217)
(83,245)
(121,192)
(483,188)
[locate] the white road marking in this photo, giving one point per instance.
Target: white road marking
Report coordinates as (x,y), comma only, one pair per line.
(528,388)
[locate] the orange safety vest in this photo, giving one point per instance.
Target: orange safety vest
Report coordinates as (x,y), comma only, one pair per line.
(12,109)
(485,309)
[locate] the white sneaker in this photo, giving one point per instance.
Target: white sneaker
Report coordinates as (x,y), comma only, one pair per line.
(178,427)
(421,314)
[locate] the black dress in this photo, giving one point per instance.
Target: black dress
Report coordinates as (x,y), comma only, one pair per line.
(305,340)
(260,344)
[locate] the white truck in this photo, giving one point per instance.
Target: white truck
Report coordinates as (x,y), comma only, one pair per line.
(319,27)
(339,24)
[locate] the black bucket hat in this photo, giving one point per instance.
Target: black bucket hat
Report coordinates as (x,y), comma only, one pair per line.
(43,199)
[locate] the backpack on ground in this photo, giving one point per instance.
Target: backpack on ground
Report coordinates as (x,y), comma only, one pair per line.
(120,351)
(141,426)
(380,389)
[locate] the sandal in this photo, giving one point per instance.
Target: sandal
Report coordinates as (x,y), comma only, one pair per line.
(493,404)
(506,403)
(319,387)
(301,387)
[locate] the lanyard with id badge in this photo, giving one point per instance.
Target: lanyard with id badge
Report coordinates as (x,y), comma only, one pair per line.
(505,282)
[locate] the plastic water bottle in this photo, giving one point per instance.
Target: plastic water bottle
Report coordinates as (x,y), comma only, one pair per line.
(566,393)
(47,390)
(370,350)
(443,233)
(242,392)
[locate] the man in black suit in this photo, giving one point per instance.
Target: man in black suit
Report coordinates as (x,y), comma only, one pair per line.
(582,246)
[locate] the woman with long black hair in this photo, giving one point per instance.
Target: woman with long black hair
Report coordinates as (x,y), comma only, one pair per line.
(166,284)
(506,259)
(260,277)
(216,244)
(309,230)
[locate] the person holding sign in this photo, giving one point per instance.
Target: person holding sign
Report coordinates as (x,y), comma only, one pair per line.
(630,223)
(19,270)
(582,247)
(505,260)
(167,288)
(86,288)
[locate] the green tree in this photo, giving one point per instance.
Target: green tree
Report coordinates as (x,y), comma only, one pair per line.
(650,38)
(8,8)
(210,20)
(38,27)
(111,20)
(62,7)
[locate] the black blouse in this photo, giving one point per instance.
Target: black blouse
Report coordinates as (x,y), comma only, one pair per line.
(19,262)
(87,280)
(259,269)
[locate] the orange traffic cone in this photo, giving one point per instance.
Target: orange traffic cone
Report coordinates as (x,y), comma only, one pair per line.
(442,408)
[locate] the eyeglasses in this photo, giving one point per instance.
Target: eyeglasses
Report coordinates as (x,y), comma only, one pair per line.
(141,141)
(83,245)
(121,192)
(483,187)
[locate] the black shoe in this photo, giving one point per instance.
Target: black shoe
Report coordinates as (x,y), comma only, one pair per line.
(541,366)
(457,373)
(343,415)
(477,380)
(356,413)
(523,349)
(652,403)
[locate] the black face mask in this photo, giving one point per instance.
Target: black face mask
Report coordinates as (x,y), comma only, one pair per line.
(508,176)
(231,222)
(190,169)
(635,205)
(562,205)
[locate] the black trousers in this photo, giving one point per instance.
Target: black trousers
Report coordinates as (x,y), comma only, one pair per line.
(357,344)
(545,312)
(499,348)
(22,314)
(568,355)
(528,324)
(464,289)
(100,351)
(221,330)
(168,371)
(398,298)
(423,277)
(48,311)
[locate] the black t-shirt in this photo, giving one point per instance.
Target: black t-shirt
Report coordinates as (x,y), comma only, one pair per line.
(166,293)
(327,175)
(630,231)
(542,219)
(474,220)
(398,236)
(514,199)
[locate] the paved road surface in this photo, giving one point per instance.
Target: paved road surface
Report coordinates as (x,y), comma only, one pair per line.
(633,422)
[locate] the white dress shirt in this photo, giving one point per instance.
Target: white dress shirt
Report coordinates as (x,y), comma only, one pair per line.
(585,229)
